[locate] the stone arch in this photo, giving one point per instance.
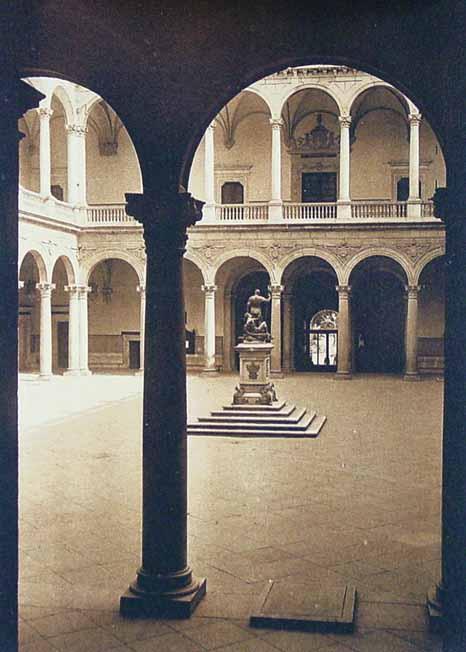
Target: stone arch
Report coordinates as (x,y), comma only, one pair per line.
(62,95)
(425,260)
(376,84)
(90,264)
(70,267)
(310,252)
(312,85)
(39,259)
(196,260)
(242,253)
(262,96)
(377,251)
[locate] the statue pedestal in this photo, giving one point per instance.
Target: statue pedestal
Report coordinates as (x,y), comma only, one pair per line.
(254,386)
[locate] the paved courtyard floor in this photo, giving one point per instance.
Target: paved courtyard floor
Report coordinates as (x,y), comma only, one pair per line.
(360,504)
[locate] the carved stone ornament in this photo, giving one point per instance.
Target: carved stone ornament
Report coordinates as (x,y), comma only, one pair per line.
(415,249)
(343,250)
(318,140)
(277,251)
(209,252)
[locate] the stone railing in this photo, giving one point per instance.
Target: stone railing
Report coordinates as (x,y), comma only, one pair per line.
(106,214)
(242,212)
(309,211)
(427,209)
(378,209)
(49,208)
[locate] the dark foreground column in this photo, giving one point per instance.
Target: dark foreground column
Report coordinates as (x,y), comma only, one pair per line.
(15,99)
(447,603)
(164,585)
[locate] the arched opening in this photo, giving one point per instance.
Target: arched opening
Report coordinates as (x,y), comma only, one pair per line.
(378,308)
(194,314)
(60,317)
(310,286)
(29,314)
(431,318)
(236,280)
(114,317)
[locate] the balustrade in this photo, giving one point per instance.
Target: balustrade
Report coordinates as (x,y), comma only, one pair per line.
(378,209)
(242,212)
(108,214)
(310,211)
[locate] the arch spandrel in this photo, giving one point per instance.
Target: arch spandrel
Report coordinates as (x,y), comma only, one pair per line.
(384,252)
(197,262)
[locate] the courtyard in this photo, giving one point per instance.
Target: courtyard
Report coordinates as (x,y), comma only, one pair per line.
(360,505)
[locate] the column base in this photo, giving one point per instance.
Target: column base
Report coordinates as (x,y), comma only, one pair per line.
(137,603)
(45,376)
(411,376)
(72,372)
(434,610)
(343,375)
(210,372)
(85,372)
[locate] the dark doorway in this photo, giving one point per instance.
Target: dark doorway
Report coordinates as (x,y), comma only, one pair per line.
(134,354)
(244,289)
(378,322)
(62,344)
(315,347)
(319,187)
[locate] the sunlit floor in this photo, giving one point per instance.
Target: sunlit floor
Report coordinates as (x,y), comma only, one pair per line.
(360,503)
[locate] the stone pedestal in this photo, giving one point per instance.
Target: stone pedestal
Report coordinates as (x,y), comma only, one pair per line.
(254,386)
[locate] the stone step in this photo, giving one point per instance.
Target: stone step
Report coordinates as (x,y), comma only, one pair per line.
(227,424)
(253,417)
(286,411)
(313,431)
(275,407)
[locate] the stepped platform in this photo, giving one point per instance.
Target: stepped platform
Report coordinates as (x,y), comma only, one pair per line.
(276,420)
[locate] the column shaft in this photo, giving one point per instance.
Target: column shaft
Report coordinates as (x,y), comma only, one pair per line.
(414,200)
(209,328)
(287,332)
(209,174)
(45,168)
(275,206)
(411,333)
(228,353)
(84,331)
(164,585)
(45,354)
(276,329)
(73,330)
(76,165)
(344,332)
(344,200)
(142,325)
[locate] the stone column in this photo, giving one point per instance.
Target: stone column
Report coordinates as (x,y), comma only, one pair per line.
(84,331)
(45,166)
(209,329)
(73,331)
(411,333)
(414,201)
(276,203)
(45,290)
(76,142)
(344,333)
(15,98)
(227,343)
(287,332)
(344,199)
(165,585)
(142,325)
(208,212)
(276,329)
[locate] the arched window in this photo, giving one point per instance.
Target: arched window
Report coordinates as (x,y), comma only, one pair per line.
(232,193)
(323,339)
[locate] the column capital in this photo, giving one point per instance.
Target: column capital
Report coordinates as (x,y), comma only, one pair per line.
(343,290)
(209,289)
(165,219)
(76,130)
(412,291)
(276,290)
(277,123)
(45,288)
(44,112)
(414,118)
(345,121)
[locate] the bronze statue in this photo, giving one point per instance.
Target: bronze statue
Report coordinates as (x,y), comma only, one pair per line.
(255,327)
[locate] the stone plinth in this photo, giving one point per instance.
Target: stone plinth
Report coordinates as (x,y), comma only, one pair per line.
(254,386)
